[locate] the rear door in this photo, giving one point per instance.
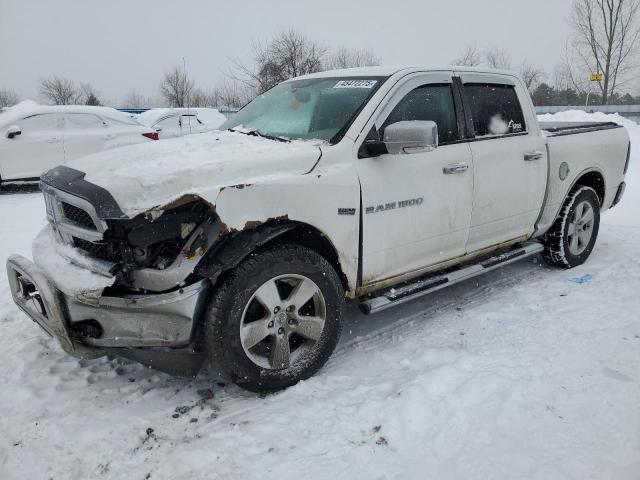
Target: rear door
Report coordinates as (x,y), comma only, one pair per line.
(38,149)
(509,160)
(416,207)
(84,134)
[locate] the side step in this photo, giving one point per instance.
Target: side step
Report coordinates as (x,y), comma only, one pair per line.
(425,285)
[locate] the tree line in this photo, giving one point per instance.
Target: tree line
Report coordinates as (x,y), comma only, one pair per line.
(604,40)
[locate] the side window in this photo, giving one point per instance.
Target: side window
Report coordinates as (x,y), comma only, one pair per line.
(495,109)
(39,123)
(189,121)
(170,123)
(429,102)
(82,121)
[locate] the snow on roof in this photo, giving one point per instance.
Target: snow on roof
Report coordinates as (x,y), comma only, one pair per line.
(211,117)
(29,107)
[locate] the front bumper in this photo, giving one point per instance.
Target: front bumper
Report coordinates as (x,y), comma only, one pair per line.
(158,320)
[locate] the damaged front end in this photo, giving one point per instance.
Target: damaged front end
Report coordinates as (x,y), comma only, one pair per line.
(104,283)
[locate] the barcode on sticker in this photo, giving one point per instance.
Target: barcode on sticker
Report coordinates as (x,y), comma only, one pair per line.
(355,84)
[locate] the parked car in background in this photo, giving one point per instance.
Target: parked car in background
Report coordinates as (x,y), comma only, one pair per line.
(35,138)
(176,122)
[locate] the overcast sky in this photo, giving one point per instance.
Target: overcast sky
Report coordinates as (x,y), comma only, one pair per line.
(120,45)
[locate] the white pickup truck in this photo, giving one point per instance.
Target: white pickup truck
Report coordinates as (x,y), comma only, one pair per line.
(377,185)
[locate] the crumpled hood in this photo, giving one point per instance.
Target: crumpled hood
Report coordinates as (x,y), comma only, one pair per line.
(148,175)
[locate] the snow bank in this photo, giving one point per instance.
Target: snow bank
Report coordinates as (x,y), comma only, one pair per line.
(580,116)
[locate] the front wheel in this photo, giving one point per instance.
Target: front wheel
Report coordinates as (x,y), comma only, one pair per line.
(275,319)
(570,240)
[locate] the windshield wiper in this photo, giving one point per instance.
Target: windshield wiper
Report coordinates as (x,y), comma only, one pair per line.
(255,133)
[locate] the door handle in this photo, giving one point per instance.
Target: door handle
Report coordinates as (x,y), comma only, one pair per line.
(531,156)
(455,168)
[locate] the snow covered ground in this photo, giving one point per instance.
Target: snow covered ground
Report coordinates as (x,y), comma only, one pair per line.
(518,374)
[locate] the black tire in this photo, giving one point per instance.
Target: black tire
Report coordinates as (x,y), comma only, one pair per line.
(234,296)
(558,251)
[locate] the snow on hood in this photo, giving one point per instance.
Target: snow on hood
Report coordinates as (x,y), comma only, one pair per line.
(148,175)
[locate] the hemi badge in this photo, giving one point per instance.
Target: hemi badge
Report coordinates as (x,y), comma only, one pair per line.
(346,211)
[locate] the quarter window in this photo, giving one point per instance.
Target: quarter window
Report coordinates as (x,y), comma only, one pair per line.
(495,109)
(429,102)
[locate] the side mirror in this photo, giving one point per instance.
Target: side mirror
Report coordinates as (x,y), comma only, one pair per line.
(13,131)
(411,137)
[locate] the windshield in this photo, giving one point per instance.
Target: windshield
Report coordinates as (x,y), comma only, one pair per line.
(319,108)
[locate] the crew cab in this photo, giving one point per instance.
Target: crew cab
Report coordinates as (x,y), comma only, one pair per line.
(376,185)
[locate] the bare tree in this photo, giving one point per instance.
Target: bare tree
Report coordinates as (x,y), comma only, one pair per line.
(203,98)
(59,90)
(176,87)
(135,99)
(88,95)
(605,40)
(498,58)
(233,94)
(470,57)
(347,58)
(532,76)
(567,76)
(8,98)
(288,55)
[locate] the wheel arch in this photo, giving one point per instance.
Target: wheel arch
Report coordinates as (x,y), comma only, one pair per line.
(237,246)
(593,178)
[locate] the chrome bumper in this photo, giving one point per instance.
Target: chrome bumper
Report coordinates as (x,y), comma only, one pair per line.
(164,320)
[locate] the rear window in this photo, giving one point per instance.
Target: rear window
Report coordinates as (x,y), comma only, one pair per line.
(495,109)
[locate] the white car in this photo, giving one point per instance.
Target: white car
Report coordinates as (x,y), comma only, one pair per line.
(35,138)
(176,122)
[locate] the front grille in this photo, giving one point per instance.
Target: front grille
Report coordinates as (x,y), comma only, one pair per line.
(102,251)
(78,216)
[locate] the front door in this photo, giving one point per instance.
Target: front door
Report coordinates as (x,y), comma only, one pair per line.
(37,149)
(416,207)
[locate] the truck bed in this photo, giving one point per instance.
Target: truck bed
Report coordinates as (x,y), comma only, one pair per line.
(556,129)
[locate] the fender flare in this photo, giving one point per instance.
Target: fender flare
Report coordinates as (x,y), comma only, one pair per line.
(236,247)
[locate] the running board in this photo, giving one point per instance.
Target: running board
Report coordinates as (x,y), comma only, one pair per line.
(424,286)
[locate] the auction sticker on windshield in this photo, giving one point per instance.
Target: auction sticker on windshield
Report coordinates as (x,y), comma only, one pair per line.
(355,84)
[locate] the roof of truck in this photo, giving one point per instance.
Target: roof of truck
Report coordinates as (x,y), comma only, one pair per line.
(388,70)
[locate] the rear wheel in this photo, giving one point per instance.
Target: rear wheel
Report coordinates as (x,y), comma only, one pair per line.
(572,237)
(275,319)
